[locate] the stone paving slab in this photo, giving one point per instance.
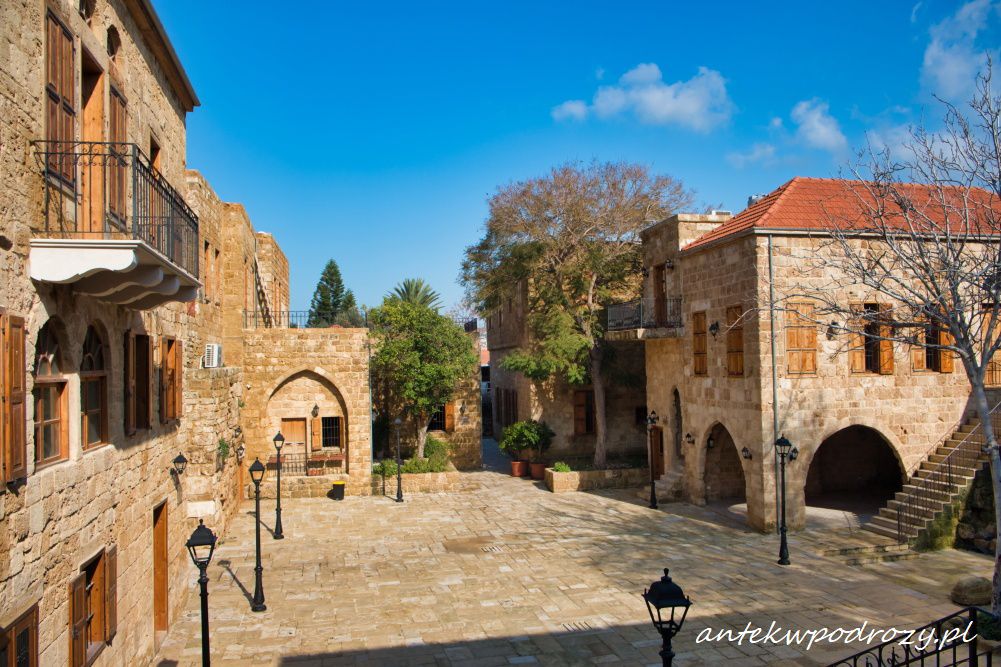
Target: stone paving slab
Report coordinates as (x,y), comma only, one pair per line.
(509,574)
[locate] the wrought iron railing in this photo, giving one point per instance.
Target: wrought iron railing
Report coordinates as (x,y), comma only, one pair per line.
(953,643)
(105,190)
(281,319)
(930,491)
(644,314)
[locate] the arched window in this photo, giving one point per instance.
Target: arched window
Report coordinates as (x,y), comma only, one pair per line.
(93,391)
(51,438)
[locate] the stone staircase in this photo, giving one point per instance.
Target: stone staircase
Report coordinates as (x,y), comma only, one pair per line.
(668,487)
(263,304)
(937,484)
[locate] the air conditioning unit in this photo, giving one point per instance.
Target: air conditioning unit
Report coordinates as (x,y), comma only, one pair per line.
(213,356)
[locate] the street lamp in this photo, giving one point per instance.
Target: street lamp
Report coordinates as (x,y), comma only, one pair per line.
(399,463)
(257,476)
(279,441)
(180,464)
(651,421)
(785,451)
(200,546)
(665,601)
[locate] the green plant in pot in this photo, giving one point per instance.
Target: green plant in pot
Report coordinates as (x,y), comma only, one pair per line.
(528,435)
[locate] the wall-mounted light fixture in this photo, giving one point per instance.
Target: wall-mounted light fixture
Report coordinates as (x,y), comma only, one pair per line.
(710,442)
(689,438)
(180,464)
(746,453)
(462,408)
(315,411)
(714,329)
(645,271)
(832,330)
(240,452)
(238,431)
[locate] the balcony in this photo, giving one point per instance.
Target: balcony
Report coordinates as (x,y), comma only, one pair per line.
(643,319)
(115,229)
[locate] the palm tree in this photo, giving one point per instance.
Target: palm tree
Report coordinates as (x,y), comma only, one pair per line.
(416,291)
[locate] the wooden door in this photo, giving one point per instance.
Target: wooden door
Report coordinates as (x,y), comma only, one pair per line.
(294,431)
(160,606)
(660,295)
(92,162)
(657,451)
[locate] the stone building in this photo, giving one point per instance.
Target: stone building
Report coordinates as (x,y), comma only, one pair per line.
(567,409)
(864,415)
(136,325)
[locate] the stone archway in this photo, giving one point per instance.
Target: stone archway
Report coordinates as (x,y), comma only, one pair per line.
(724,474)
(311,412)
(854,469)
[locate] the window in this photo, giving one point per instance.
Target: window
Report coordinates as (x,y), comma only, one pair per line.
(171,364)
(801,339)
(19,641)
(118,170)
(59,95)
(13,456)
(138,382)
(437,422)
(871,350)
(331,429)
(700,362)
(93,391)
(93,607)
(926,357)
(583,412)
(734,342)
(51,437)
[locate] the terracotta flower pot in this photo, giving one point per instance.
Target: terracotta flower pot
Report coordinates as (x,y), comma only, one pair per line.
(518,468)
(538,470)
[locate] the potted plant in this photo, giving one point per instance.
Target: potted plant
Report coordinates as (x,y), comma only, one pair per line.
(519,467)
(532,436)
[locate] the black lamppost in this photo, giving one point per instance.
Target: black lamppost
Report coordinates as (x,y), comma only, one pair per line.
(279,441)
(200,546)
(651,421)
(257,470)
(665,600)
(785,451)
(399,463)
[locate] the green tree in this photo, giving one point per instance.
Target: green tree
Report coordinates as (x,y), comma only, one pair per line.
(328,298)
(417,291)
(573,237)
(350,315)
(420,357)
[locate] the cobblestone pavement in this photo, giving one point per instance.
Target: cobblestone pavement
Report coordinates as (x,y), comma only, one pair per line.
(508,573)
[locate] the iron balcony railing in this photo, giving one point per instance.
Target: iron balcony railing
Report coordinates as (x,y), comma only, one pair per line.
(644,314)
(107,190)
(281,319)
(928,494)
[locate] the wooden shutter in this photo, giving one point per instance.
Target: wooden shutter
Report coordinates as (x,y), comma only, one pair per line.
(856,341)
(919,360)
(178,379)
(450,417)
(60,79)
(162,388)
(5,455)
(580,413)
(78,620)
(149,382)
(130,382)
(116,181)
(885,346)
(316,433)
(342,429)
(946,363)
(15,426)
(110,593)
(793,357)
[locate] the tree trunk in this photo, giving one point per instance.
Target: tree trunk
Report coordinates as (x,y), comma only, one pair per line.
(991,446)
(600,425)
(422,437)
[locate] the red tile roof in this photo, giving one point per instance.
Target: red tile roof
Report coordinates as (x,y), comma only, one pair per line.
(822,203)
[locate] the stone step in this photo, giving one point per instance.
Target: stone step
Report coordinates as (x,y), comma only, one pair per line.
(891,525)
(868,559)
(928,505)
(867,549)
(958,468)
(881,530)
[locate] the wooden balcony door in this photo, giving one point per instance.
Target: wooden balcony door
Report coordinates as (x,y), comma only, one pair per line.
(161,613)
(90,213)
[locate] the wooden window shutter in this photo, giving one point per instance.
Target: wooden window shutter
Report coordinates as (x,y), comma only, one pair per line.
(450,417)
(149,381)
(111,593)
(316,433)
(885,346)
(793,358)
(130,382)
(342,429)
(946,363)
(5,455)
(78,620)
(919,361)
(579,412)
(15,426)
(162,389)
(178,378)
(856,342)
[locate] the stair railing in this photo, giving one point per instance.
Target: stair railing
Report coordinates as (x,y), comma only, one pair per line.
(921,500)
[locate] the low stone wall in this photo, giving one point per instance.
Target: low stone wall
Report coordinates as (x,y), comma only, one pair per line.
(585,480)
(428,482)
(314,486)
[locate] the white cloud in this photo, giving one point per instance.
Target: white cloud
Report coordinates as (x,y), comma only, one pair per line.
(914,12)
(700,103)
(570,110)
(816,127)
(759,153)
(599,73)
(952,59)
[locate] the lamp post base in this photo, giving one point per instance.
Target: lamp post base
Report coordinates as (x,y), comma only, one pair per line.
(783,548)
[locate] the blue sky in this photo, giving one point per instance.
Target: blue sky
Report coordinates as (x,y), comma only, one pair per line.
(373,133)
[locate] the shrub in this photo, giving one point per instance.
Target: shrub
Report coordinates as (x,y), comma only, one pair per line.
(527,434)
(223,448)
(438,453)
(385,468)
(560,466)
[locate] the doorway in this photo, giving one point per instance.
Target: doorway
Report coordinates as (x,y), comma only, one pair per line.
(657,451)
(161,616)
(294,430)
(91,212)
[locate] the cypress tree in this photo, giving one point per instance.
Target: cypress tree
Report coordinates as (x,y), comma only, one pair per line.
(328,298)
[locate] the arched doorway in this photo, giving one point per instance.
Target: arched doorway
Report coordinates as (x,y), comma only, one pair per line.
(311,414)
(724,475)
(856,470)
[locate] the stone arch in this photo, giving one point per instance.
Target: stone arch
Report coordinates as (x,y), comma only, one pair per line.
(291,402)
(724,474)
(854,467)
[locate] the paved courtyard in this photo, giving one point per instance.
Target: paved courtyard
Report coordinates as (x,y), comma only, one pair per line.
(505,572)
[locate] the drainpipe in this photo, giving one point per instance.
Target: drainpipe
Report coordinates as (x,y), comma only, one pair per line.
(775,385)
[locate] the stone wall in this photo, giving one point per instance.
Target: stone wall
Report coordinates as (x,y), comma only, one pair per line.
(977,530)
(465,440)
(273,267)
(586,480)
